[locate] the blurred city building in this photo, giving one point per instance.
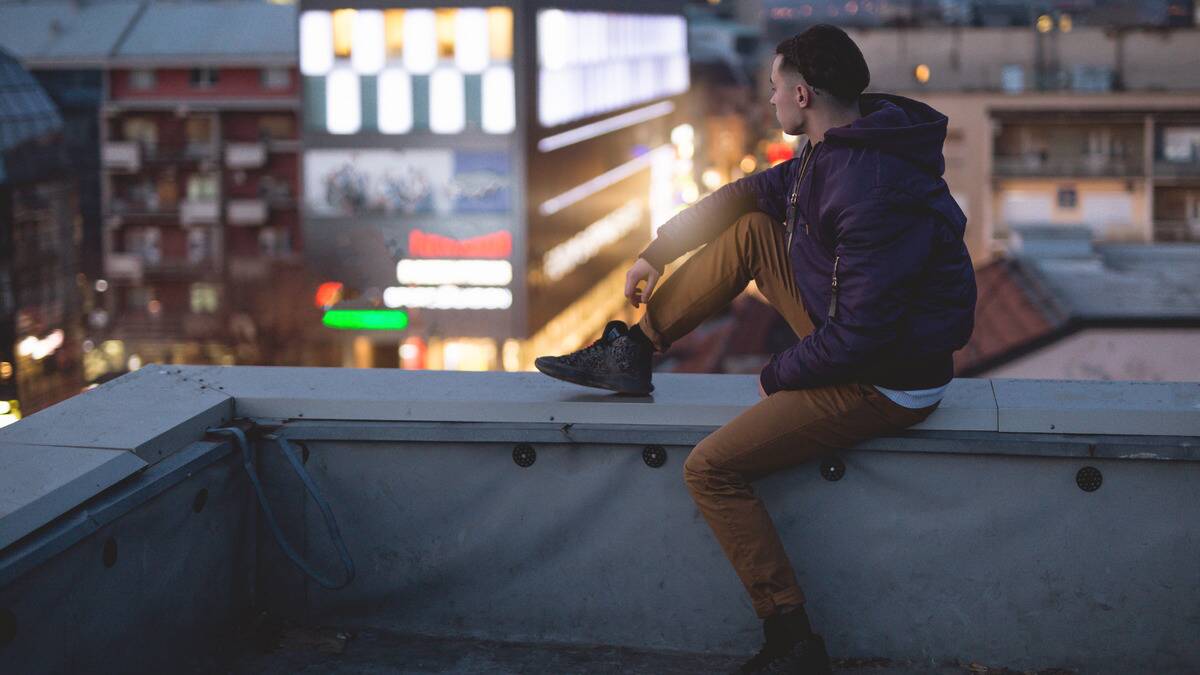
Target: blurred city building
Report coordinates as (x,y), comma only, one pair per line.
(1063,306)
(1085,115)
(40,311)
(187,136)
(476,179)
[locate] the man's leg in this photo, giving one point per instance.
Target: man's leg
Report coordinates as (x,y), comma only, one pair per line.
(752,247)
(780,431)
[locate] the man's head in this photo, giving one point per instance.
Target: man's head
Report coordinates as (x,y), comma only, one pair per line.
(820,69)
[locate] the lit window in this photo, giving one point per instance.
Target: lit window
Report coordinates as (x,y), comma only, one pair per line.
(447,101)
(343,31)
(204,298)
(369,48)
(316,43)
(343,106)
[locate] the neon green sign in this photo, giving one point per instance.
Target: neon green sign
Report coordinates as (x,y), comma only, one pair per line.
(366,319)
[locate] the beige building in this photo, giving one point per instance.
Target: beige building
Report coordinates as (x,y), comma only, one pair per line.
(1090,127)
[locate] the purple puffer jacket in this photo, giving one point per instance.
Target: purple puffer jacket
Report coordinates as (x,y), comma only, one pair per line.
(877,250)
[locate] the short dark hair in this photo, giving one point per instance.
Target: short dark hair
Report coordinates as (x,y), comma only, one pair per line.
(829,60)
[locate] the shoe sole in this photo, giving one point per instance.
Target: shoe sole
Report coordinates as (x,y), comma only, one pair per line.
(622,384)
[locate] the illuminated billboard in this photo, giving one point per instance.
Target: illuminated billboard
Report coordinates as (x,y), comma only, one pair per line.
(483,168)
(407,70)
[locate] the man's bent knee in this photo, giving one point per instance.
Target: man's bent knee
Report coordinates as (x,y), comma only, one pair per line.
(755,220)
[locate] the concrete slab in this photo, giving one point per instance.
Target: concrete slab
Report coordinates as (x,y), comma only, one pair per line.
(969,405)
(436,396)
(152,412)
(39,483)
(1089,407)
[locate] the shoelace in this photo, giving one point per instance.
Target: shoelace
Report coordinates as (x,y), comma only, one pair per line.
(593,348)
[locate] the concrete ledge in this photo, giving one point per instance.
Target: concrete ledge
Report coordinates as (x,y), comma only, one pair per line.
(1073,407)
(39,483)
(151,412)
(443,396)
(1020,406)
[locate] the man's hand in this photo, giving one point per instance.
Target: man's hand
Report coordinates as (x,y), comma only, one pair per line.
(641,271)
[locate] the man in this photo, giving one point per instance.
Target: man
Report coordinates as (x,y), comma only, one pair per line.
(859,245)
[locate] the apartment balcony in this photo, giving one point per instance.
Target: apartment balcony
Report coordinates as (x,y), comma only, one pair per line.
(180,268)
(507,522)
(245,155)
(247,268)
(121,155)
(246,212)
(1164,169)
(205,151)
(199,211)
(1079,167)
(134,325)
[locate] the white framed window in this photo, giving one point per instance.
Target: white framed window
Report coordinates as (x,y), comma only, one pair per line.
(197,244)
(202,187)
(142,79)
(203,78)
(274,241)
(276,78)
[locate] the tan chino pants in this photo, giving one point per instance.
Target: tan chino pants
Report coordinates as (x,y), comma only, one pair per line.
(785,429)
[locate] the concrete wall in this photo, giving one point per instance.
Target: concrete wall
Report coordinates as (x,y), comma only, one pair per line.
(971,531)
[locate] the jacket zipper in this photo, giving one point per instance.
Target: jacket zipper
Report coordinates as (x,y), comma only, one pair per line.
(833,298)
(791,226)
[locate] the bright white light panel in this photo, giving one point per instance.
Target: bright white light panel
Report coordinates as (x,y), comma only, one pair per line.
(591,63)
(396,81)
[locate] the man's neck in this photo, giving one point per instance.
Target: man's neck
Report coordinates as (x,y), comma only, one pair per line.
(820,121)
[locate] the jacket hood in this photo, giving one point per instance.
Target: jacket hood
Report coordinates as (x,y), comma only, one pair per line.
(898,126)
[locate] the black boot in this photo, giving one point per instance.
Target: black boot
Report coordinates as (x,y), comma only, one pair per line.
(790,648)
(619,360)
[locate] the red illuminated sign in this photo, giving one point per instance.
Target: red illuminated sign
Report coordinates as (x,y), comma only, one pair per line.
(329,294)
(425,245)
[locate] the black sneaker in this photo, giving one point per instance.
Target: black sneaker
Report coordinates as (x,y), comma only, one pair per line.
(786,651)
(619,360)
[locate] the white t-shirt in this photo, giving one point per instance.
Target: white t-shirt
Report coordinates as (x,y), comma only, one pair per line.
(914,398)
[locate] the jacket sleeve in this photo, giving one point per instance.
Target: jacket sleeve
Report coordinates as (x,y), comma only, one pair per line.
(882,246)
(701,223)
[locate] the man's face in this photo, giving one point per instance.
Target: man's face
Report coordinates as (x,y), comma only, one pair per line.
(789,98)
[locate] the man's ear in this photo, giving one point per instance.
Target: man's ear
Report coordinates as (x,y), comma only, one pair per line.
(804,94)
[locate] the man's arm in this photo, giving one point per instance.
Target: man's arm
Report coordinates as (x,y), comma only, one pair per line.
(702,222)
(882,246)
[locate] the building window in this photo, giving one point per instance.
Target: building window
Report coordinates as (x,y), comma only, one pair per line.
(276,78)
(145,242)
(274,242)
(142,79)
(204,298)
(1181,144)
(202,187)
(197,245)
(1067,198)
(203,78)
(1012,79)
(276,127)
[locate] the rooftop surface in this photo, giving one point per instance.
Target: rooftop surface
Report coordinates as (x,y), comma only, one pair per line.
(1000,533)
